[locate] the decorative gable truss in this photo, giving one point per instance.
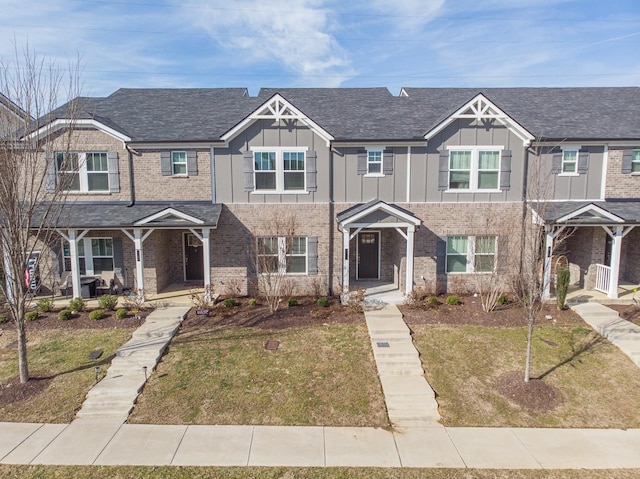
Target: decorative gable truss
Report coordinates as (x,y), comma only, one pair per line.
(481,109)
(276,109)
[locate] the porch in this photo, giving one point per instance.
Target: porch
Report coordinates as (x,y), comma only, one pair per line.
(626,295)
(380,291)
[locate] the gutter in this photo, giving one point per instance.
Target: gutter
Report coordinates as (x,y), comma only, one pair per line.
(132,188)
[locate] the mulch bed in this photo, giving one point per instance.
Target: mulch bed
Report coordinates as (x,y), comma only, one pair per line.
(13,391)
(630,312)
(470,313)
(534,395)
(81,320)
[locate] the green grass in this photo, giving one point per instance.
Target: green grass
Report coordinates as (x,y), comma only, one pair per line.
(320,375)
(127,472)
(62,355)
(599,386)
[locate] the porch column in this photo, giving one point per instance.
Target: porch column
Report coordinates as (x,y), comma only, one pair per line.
(137,242)
(409,281)
(206,260)
(548,253)
(616,249)
(72,237)
(345,260)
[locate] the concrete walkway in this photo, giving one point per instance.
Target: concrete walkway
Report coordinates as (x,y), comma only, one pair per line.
(113,397)
(622,333)
(410,400)
(111,443)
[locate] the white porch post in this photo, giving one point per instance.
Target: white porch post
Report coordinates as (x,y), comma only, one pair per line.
(548,252)
(137,241)
(206,259)
(409,281)
(345,260)
(615,261)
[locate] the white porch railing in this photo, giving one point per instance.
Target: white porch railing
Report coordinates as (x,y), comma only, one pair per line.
(603,278)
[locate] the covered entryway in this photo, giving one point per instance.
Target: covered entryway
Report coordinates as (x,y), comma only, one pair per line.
(374,230)
(598,241)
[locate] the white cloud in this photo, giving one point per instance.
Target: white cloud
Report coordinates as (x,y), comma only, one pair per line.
(408,16)
(296,35)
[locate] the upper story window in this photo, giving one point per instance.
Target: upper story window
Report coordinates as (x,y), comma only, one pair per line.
(279,170)
(179,162)
(374,162)
(471,254)
(83,171)
(570,161)
(635,161)
(474,168)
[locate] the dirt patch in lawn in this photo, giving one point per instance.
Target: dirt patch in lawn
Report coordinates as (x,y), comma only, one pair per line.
(13,391)
(534,395)
(470,313)
(630,312)
(305,313)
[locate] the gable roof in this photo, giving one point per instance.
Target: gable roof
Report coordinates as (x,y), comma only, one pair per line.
(364,114)
(592,212)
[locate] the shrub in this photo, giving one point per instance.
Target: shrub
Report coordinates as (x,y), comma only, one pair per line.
(229,303)
(202,299)
(122,313)
(31,315)
(433,301)
(44,305)
(108,301)
(503,299)
(64,315)
(354,300)
(77,304)
(96,314)
(3,319)
(562,286)
(453,300)
(292,302)
(253,301)
(323,301)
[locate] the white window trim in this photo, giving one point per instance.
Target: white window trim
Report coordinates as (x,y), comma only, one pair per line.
(635,162)
(471,255)
(473,178)
(83,174)
(279,150)
(375,149)
(88,254)
(185,163)
(282,256)
(565,149)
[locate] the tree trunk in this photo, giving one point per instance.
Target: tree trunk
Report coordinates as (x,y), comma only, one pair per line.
(22,352)
(527,366)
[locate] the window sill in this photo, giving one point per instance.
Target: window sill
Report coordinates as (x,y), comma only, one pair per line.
(179,176)
(568,174)
(274,192)
(469,272)
(79,193)
(375,175)
(460,190)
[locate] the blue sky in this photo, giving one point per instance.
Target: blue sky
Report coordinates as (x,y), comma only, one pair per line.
(305,43)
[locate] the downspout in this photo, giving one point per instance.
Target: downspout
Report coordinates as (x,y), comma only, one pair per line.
(132,187)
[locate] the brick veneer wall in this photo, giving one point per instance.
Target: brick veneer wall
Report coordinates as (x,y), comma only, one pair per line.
(619,185)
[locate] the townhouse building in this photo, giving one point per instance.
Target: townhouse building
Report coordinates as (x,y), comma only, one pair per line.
(335,187)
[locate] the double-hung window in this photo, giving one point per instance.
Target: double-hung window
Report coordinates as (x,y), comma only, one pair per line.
(95,255)
(374,162)
(570,161)
(471,254)
(179,163)
(282,254)
(474,168)
(279,170)
(83,171)
(635,161)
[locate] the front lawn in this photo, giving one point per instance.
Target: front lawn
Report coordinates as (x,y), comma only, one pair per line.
(321,374)
(595,385)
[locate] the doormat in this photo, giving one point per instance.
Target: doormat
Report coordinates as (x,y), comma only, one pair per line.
(271,345)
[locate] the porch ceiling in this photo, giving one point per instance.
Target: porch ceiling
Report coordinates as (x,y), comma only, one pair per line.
(590,213)
(120,215)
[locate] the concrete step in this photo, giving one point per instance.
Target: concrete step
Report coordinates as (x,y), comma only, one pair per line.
(107,418)
(409,363)
(394,350)
(408,402)
(392,371)
(406,386)
(104,410)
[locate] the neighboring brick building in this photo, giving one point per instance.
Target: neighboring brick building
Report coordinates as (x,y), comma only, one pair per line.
(334,186)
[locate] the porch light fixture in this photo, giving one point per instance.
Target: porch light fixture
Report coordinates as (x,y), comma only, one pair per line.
(96,370)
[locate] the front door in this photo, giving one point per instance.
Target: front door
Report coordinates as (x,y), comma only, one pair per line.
(193,267)
(368,255)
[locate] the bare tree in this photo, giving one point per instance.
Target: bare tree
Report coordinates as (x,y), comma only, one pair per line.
(30,196)
(273,252)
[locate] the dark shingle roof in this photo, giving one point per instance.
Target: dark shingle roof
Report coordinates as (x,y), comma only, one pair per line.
(156,115)
(628,210)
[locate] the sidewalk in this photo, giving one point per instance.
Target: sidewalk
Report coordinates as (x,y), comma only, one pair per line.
(112,443)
